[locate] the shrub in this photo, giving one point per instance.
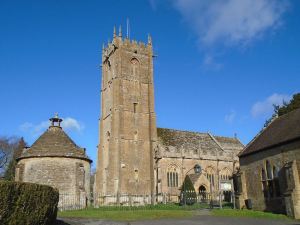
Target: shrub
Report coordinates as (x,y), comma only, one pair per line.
(27,204)
(188,194)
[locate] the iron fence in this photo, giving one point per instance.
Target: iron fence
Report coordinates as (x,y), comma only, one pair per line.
(69,201)
(125,201)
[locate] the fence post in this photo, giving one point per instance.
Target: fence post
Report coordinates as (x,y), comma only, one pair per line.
(233,199)
(220,199)
(130,200)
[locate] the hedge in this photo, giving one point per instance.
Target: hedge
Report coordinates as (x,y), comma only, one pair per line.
(27,204)
(188,194)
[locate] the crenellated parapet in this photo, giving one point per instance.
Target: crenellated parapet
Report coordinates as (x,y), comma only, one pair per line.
(130,45)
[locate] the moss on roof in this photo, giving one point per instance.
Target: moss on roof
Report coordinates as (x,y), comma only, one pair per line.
(195,140)
(54,142)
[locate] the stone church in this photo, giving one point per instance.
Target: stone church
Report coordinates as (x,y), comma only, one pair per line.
(134,156)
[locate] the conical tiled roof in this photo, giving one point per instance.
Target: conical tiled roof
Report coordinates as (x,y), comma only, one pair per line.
(54,143)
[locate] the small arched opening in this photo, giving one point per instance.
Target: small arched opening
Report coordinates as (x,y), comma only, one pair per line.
(202,193)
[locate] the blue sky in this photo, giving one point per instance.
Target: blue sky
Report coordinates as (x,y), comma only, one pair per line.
(220,66)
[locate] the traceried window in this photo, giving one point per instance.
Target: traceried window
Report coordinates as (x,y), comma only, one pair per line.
(225,174)
(270,180)
(210,174)
(172,176)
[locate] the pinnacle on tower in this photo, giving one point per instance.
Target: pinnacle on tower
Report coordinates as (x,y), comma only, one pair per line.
(115,35)
(149,39)
(120,31)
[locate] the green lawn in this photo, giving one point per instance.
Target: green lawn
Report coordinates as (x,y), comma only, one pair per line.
(126,215)
(247,213)
(161,211)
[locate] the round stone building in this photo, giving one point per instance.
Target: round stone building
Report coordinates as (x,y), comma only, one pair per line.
(55,160)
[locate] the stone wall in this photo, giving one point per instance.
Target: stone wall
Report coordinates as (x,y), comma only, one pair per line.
(180,151)
(252,186)
(70,176)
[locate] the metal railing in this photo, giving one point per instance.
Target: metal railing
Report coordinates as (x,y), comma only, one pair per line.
(74,202)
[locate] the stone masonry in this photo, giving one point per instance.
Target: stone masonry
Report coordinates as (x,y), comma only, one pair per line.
(134,156)
(269,175)
(55,160)
(179,151)
(128,123)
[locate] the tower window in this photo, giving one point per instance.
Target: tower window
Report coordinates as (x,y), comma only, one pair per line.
(135,65)
(136,174)
(135,107)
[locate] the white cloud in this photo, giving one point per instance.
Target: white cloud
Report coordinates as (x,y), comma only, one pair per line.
(229,118)
(265,107)
(25,126)
(72,124)
(35,130)
(231,21)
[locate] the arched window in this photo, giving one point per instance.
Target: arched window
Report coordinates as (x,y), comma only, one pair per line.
(107,75)
(172,176)
(269,170)
(225,174)
(135,67)
(270,181)
(210,174)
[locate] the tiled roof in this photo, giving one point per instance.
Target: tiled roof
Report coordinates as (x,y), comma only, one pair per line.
(282,130)
(196,140)
(54,142)
(194,177)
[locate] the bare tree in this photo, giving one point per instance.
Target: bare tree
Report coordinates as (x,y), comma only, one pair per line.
(7,147)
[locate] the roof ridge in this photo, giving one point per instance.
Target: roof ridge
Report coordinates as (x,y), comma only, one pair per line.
(212,137)
(218,136)
(185,131)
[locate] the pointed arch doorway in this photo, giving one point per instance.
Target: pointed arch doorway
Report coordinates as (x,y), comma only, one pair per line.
(202,193)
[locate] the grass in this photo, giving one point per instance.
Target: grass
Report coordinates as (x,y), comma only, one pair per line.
(126,215)
(149,212)
(154,207)
(247,213)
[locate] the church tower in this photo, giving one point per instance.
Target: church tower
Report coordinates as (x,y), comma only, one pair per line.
(128,122)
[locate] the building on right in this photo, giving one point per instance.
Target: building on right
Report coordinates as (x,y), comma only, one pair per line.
(268,178)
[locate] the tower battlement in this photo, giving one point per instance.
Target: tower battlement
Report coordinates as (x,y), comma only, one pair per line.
(133,45)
